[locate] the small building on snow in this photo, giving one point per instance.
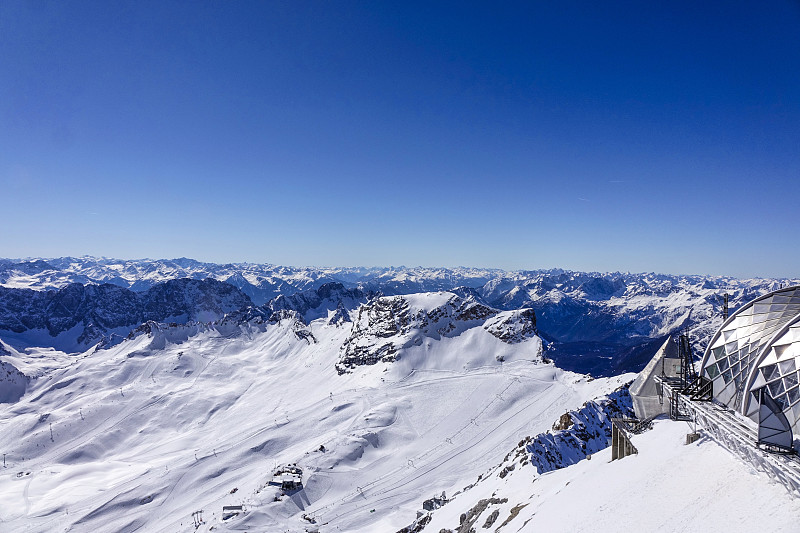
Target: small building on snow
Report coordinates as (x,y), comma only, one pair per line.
(289,477)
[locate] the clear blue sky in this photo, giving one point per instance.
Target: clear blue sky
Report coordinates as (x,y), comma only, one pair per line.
(642,136)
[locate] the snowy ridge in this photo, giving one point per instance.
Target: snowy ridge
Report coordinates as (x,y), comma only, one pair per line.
(576,435)
(317,303)
(712,490)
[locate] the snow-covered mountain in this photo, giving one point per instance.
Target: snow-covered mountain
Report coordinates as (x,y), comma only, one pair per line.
(387,327)
(78,316)
(602,323)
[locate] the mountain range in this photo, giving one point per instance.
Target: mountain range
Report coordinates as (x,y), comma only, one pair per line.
(598,323)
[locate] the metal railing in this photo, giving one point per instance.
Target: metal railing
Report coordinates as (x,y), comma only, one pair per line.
(729,430)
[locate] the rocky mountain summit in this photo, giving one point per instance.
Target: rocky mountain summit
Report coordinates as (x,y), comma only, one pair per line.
(388,325)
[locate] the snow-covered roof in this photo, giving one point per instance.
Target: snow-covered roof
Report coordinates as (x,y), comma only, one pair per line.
(758,346)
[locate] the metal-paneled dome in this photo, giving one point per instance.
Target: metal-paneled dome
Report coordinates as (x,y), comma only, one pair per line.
(757,347)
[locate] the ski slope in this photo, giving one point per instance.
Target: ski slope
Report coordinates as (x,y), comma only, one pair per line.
(140,436)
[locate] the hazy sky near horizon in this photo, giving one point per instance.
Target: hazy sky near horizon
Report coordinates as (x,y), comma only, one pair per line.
(634,136)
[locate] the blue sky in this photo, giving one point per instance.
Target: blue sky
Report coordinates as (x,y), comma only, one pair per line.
(634,136)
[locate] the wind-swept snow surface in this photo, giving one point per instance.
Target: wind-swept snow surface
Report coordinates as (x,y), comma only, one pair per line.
(182,419)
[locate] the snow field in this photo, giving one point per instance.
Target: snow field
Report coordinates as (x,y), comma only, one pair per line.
(148,432)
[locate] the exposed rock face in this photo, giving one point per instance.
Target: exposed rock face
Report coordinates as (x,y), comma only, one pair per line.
(200,300)
(491,519)
(99,309)
(564,422)
(588,431)
(513,327)
(107,306)
(340,316)
(250,313)
(12,382)
(389,324)
(469,518)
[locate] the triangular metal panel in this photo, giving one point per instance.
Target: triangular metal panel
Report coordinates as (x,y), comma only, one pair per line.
(719,341)
(770,359)
(752,410)
(773,322)
(779,349)
(761,308)
(759,381)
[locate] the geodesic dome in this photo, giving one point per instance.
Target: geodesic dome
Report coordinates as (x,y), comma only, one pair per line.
(757,348)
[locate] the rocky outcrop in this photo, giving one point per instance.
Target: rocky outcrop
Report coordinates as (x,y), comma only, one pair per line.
(389,324)
(13,383)
(468,519)
(579,433)
(340,316)
(514,326)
